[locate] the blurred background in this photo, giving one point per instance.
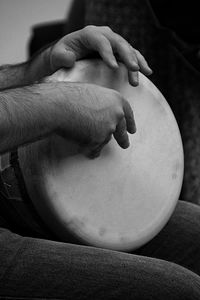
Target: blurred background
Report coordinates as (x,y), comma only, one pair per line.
(16,20)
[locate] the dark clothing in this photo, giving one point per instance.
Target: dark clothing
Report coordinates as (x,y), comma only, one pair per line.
(34,265)
(16,208)
(168,267)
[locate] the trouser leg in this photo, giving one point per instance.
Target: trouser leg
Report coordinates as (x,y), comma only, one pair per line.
(36,268)
(179,241)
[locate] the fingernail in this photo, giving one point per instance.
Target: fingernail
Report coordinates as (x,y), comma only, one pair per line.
(134,82)
(114,64)
(150,71)
(125,145)
(133,129)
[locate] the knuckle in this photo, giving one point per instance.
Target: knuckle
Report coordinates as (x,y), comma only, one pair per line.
(118,102)
(124,44)
(105,45)
(108,128)
(106,52)
(120,41)
(54,51)
(102,137)
(125,103)
(112,128)
(136,51)
(114,97)
(119,38)
(106,28)
(120,106)
(117,95)
(89,28)
(139,54)
(127,48)
(120,114)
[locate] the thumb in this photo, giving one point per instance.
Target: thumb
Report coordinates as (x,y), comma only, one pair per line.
(62,58)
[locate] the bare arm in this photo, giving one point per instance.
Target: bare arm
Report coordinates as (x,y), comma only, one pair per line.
(25,116)
(72,110)
(77,45)
(26,73)
(31,113)
(13,76)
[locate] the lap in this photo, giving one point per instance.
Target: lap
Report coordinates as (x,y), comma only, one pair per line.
(46,269)
(39,268)
(179,241)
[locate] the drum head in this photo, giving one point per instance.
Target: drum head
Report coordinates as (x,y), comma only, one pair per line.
(123,198)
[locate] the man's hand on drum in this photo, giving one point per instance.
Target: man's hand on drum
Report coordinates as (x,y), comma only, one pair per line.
(85,43)
(87,113)
(90,115)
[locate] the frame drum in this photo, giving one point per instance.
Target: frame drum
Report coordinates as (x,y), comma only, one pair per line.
(123,198)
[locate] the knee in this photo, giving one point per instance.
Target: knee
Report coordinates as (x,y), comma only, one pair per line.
(164,280)
(178,283)
(187,217)
(145,278)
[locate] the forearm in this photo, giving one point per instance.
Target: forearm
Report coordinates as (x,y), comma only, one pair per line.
(25,116)
(12,76)
(39,65)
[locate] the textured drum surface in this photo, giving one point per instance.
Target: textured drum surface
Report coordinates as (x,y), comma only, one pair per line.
(123,198)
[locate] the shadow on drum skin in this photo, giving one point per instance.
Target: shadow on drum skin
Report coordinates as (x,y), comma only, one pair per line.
(78,224)
(104,76)
(67,148)
(102,231)
(62,151)
(176,170)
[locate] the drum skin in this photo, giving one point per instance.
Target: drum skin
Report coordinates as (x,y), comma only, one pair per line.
(123,198)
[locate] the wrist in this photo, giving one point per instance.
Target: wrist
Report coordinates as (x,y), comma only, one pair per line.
(39,66)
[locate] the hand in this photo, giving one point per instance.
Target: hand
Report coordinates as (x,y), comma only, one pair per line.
(108,44)
(91,115)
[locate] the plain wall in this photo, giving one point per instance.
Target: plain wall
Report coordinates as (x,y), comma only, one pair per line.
(16,19)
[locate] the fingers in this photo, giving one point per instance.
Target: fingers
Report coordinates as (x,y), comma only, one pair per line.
(103,47)
(133,78)
(128,112)
(144,67)
(108,44)
(95,150)
(112,46)
(121,134)
(125,124)
(132,58)
(123,51)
